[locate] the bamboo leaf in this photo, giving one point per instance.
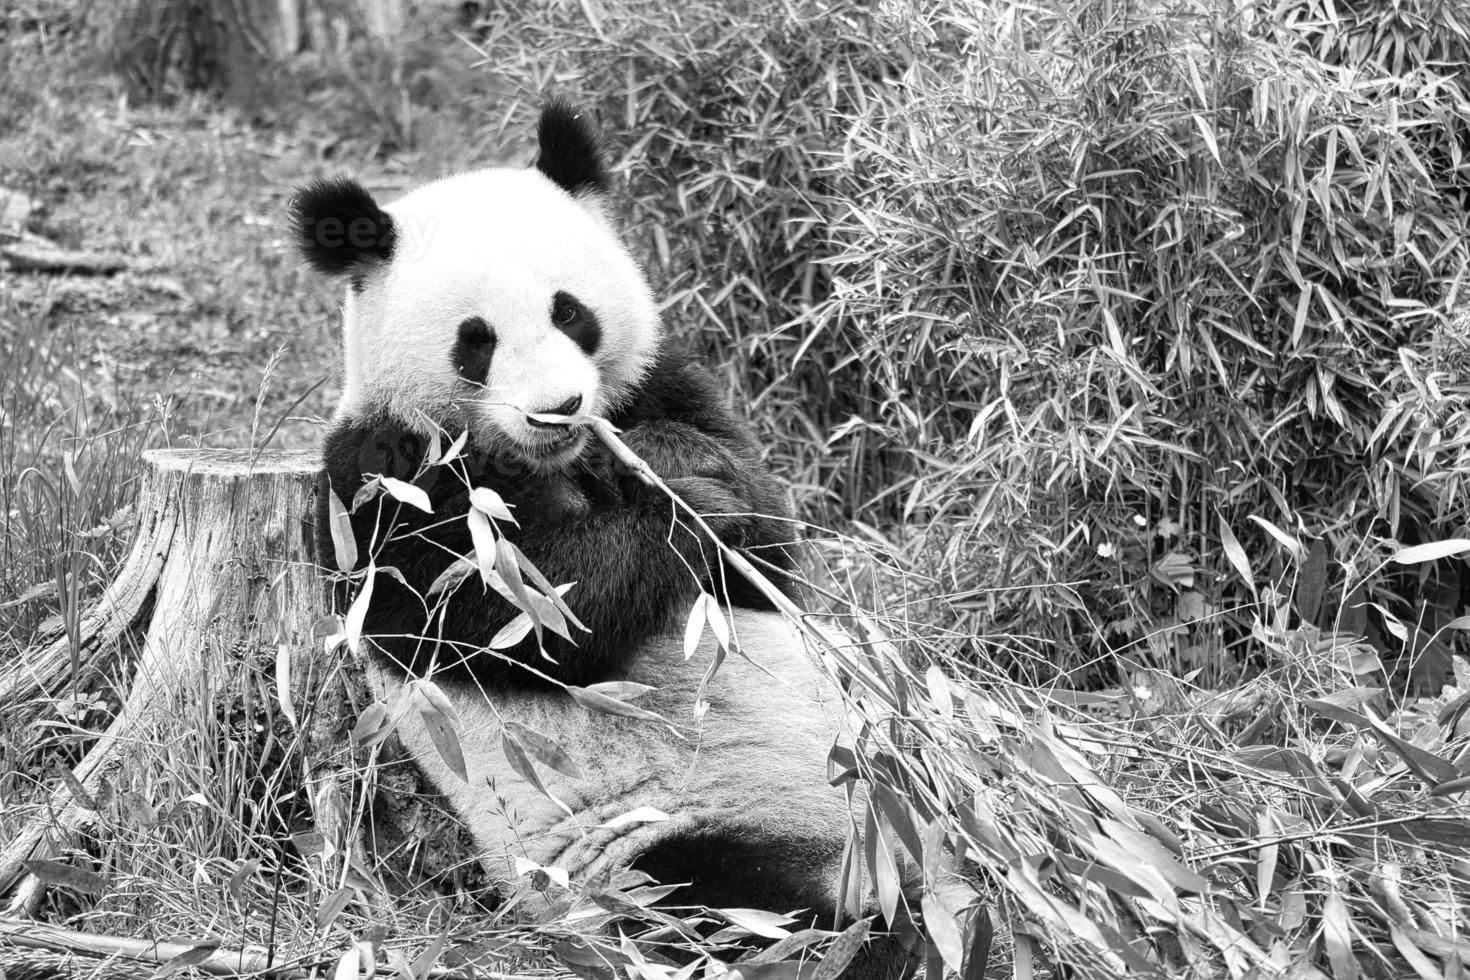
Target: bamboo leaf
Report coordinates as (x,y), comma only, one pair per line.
(332,907)
(884,866)
(525,866)
(694,625)
(545,750)
(1337,936)
(759,922)
(1292,544)
(552,593)
(510,573)
(283,684)
(449,579)
(74,786)
(622,690)
(1432,551)
(425,961)
(511,633)
(441,721)
(601,703)
(642,814)
(1425,967)
(1267,857)
(784,948)
(455,448)
(344,542)
(67,876)
(482,535)
(491,504)
(366,494)
(846,946)
(373,725)
(939,693)
(357,612)
(407,493)
(348,965)
(235,887)
(940,924)
(718,625)
(1207,132)
(1312,583)
(982,939)
(520,761)
(192,956)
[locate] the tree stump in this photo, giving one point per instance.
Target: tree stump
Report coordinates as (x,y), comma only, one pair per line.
(222,562)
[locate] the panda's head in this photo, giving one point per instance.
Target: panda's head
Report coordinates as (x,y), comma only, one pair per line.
(481,299)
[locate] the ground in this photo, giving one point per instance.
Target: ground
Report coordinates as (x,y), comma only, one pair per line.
(213,334)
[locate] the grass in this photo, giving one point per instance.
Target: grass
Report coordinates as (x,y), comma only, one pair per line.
(1119,343)
(69,478)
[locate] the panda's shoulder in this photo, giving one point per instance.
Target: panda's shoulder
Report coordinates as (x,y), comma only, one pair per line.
(675,387)
(372,442)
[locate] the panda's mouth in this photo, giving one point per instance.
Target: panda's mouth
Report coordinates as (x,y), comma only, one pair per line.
(554,450)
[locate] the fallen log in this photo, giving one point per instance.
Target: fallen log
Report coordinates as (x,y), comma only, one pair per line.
(129,958)
(27,256)
(222,565)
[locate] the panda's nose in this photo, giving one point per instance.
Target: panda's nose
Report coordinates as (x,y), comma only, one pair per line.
(568,407)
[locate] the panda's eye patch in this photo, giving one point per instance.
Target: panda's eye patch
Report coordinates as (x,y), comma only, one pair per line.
(473,349)
(475,331)
(564,310)
(576,321)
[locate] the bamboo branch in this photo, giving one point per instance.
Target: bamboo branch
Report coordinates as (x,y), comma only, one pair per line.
(813,629)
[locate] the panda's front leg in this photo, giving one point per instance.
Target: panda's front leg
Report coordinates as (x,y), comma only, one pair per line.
(722,478)
(717,471)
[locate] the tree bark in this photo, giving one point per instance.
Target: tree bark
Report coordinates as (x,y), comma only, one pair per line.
(222,565)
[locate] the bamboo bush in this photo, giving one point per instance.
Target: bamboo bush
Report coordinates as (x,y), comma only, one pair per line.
(1047,296)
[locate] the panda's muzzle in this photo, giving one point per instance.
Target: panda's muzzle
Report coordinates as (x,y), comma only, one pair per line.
(568,407)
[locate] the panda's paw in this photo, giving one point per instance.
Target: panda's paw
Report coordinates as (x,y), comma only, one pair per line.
(551,500)
(605,482)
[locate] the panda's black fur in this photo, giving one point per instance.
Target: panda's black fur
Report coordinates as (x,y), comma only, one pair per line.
(596,525)
(568,151)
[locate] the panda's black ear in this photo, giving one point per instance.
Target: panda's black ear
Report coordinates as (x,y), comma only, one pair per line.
(339,228)
(567,150)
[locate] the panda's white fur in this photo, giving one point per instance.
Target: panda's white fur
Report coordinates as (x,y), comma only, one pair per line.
(756,757)
(535,239)
(464,270)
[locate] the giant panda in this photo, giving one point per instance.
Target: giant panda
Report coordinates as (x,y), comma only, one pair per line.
(501,303)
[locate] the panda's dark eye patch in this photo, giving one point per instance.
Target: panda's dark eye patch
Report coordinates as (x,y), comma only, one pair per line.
(576,321)
(475,331)
(473,349)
